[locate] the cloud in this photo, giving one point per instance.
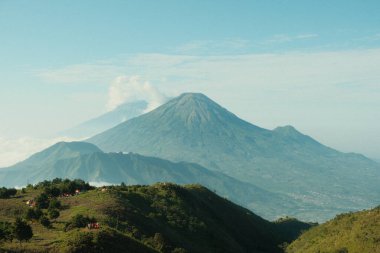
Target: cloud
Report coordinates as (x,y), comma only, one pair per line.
(96,72)
(129,89)
(284,38)
(18,149)
(209,47)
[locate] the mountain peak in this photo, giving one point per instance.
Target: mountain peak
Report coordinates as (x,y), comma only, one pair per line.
(193,99)
(193,96)
(63,150)
(287,130)
(194,110)
(76,146)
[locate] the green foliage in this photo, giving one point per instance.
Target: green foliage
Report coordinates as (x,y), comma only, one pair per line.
(79,221)
(106,241)
(53,213)
(81,242)
(33,214)
(45,221)
(169,217)
(52,191)
(55,204)
(160,218)
(42,201)
(58,186)
(6,231)
(292,228)
(7,193)
(22,231)
(352,232)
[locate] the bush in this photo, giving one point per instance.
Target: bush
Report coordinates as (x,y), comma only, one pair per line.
(53,213)
(22,231)
(42,201)
(45,221)
(52,191)
(33,214)
(7,193)
(54,204)
(82,242)
(6,229)
(79,221)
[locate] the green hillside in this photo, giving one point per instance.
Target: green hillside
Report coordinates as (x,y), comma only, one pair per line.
(347,233)
(194,128)
(159,218)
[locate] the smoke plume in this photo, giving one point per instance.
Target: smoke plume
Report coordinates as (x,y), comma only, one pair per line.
(129,89)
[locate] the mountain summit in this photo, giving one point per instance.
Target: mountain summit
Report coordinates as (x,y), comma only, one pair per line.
(194,128)
(107,120)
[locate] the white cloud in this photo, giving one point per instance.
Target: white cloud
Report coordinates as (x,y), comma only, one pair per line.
(285,38)
(213,46)
(97,72)
(128,89)
(18,149)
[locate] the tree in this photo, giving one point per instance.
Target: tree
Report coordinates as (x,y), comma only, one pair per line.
(6,231)
(52,191)
(55,204)
(45,221)
(33,214)
(7,193)
(42,201)
(30,215)
(22,231)
(53,214)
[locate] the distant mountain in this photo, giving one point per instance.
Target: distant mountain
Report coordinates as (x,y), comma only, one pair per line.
(194,128)
(352,232)
(87,162)
(163,217)
(110,119)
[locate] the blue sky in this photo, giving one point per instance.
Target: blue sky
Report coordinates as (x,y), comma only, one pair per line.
(311,64)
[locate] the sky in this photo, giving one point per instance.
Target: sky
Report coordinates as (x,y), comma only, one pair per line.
(310,64)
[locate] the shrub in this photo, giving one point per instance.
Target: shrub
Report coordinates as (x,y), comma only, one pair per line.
(42,201)
(54,204)
(33,214)
(6,231)
(22,231)
(53,213)
(7,193)
(45,221)
(79,221)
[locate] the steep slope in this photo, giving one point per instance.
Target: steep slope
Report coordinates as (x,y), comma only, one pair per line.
(87,162)
(193,128)
(165,217)
(107,120)
(352,232)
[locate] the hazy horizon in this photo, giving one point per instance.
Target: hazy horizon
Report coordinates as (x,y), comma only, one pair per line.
(314,67)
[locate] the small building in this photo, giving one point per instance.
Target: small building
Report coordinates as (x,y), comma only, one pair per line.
(31,203)
(93,225)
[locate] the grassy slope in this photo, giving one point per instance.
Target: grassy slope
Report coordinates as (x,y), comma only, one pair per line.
(163,216)
(353,232)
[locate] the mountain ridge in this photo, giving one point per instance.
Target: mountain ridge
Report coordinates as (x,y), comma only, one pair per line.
(196,129)
(92,164)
